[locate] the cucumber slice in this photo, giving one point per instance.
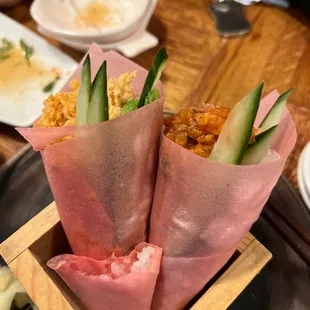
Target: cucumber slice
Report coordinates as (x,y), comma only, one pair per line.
(256,152)
(131,105)
(98,109)
(153,75)
(237,129)
(83,97)
(274,115)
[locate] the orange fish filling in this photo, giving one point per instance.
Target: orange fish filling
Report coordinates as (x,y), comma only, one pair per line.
(60,109)
(197,129)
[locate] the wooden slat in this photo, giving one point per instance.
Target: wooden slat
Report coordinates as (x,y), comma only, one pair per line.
(245,242)
(29,233)
(227,288)
(39,285)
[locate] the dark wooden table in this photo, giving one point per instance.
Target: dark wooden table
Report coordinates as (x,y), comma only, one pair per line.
(204,67)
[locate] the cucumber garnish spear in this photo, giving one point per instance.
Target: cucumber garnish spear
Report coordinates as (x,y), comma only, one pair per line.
(98,108)
(236,132)
(153,75)
(92,102)
(274,115)
(83,97)
(149,93)
(256,152)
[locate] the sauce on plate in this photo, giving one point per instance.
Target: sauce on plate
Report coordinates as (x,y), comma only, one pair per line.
(97,15)
(15,70)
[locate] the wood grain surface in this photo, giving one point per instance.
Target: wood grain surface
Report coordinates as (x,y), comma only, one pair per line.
(206,68)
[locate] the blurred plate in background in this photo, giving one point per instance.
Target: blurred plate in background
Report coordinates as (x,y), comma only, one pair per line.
(303,175)
(26,83)
(130,47)
(87,20)
(126,39)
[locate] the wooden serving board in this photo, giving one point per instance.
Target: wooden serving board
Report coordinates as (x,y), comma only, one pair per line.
(28,249)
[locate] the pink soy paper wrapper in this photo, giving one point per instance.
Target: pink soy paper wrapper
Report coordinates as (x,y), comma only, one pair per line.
(202,209)
(103,179)
(96,285)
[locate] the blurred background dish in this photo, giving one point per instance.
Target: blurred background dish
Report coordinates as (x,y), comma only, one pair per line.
(130,38)
(303,174)
(101,21)
(30,68)
(132,46)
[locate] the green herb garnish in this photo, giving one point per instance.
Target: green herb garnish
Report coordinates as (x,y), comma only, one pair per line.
(28,50)
(152,96)
(130,105)
(49,87)
(3,57)
(6,46)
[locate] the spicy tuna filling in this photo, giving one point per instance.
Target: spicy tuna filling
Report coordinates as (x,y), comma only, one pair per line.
(197,129)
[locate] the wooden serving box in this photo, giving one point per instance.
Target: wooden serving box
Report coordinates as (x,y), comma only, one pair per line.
(27,251)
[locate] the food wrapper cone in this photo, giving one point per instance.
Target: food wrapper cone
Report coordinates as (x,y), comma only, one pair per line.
(116,283)
(102,176)
(202,209)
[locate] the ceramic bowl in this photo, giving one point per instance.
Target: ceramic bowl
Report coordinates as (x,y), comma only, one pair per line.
(132,46)
(100,21)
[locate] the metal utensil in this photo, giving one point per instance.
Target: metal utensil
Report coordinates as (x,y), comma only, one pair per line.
(229,18)
(280,3)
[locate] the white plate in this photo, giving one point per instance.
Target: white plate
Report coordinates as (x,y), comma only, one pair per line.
(22,108)
(130,47)
(135,44)
(306,166)
(303,181)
